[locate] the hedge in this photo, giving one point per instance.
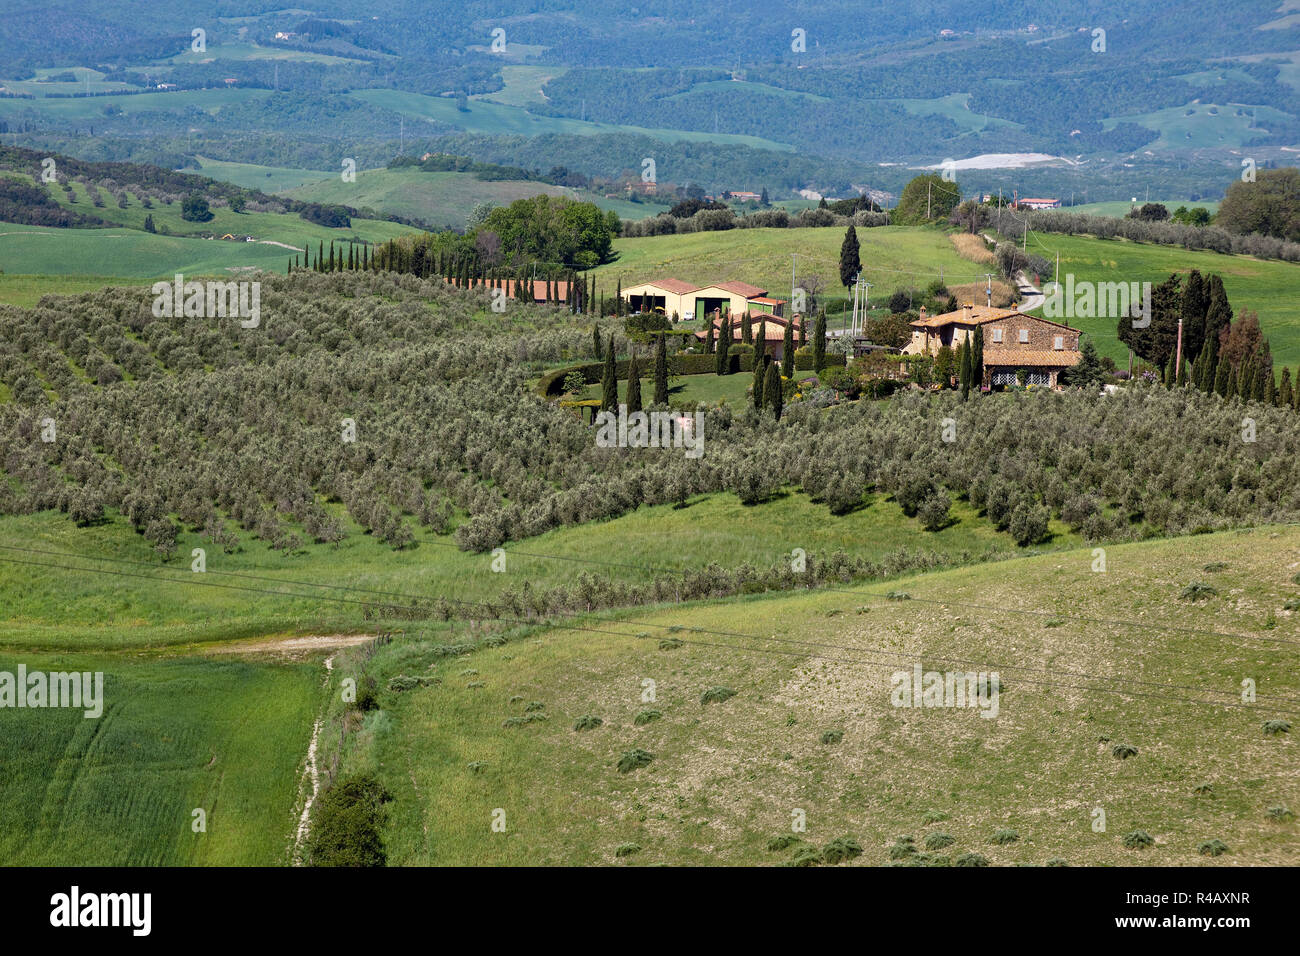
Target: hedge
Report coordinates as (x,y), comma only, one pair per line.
(552,383)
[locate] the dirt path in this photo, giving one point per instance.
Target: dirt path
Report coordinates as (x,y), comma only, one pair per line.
(291,647)
(311,770)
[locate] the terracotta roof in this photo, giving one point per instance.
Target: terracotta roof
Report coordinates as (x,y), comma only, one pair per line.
(1029,357)
(741,288)
(675,286)
(979,315)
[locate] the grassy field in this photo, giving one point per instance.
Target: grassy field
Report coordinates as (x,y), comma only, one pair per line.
(441,199)
(1121,208)
(177,734)
(64,599)
(288,228)
(727,777)
(26,290)
(1264,286)
(1203,125)
(892,257)
(91,107)
(269,179)
(523,85)
(497,119)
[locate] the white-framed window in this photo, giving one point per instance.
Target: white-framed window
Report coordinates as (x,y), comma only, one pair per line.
(1024,335)
(997,335)
(1059,343)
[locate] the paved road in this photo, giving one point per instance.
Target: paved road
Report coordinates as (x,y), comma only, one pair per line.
(1030,297)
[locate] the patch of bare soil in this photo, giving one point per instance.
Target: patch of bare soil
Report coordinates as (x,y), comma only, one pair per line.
(296,648)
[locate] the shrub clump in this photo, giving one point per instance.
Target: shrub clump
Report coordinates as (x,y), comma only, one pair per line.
(1123,751)
(1280,813)
(1212,848)
(587,722)
(1057,861)
(782,842)
(523,720)
(1274,727)
(669,644)
(937,840)
(626,849)
(970,859)
(716,695)
(841,849)
(898,596)
(806,856)
(1003,837)
(1197,591)
(347,823)
(633,759)
(646,717)
(832,736)
(1138,839)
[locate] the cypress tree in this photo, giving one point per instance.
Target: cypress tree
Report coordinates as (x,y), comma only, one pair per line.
(977,360)
(758,384)
(746,330)
(1218,313)
(595,341)
(1234,390)
(1222,378)
(320,257)
(819,342)
(762,335)
(609,381)
(633,383)
(618,299)
(773,398)
(963,368)
(850,263)
(1246,381)
(1181,379)
(1284,396)
(803,331)
(331,265)
(1270,388)
(723,364)
(289,272)
(661,371)
(787,350)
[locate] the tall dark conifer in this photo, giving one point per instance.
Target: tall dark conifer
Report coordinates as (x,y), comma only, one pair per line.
(661,370)
(633,382)
(609,381)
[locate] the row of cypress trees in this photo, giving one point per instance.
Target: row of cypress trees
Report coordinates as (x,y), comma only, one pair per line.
(609,378)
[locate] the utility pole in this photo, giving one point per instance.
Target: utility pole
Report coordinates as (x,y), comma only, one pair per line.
(857,285)
(1178,358)
(794,258)
(988,289)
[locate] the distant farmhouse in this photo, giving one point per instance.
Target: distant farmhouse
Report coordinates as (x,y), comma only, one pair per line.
(1037,204)
(1013,341)
(686,301)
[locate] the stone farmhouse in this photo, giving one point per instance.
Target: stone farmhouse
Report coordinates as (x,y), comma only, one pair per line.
(1013,341)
